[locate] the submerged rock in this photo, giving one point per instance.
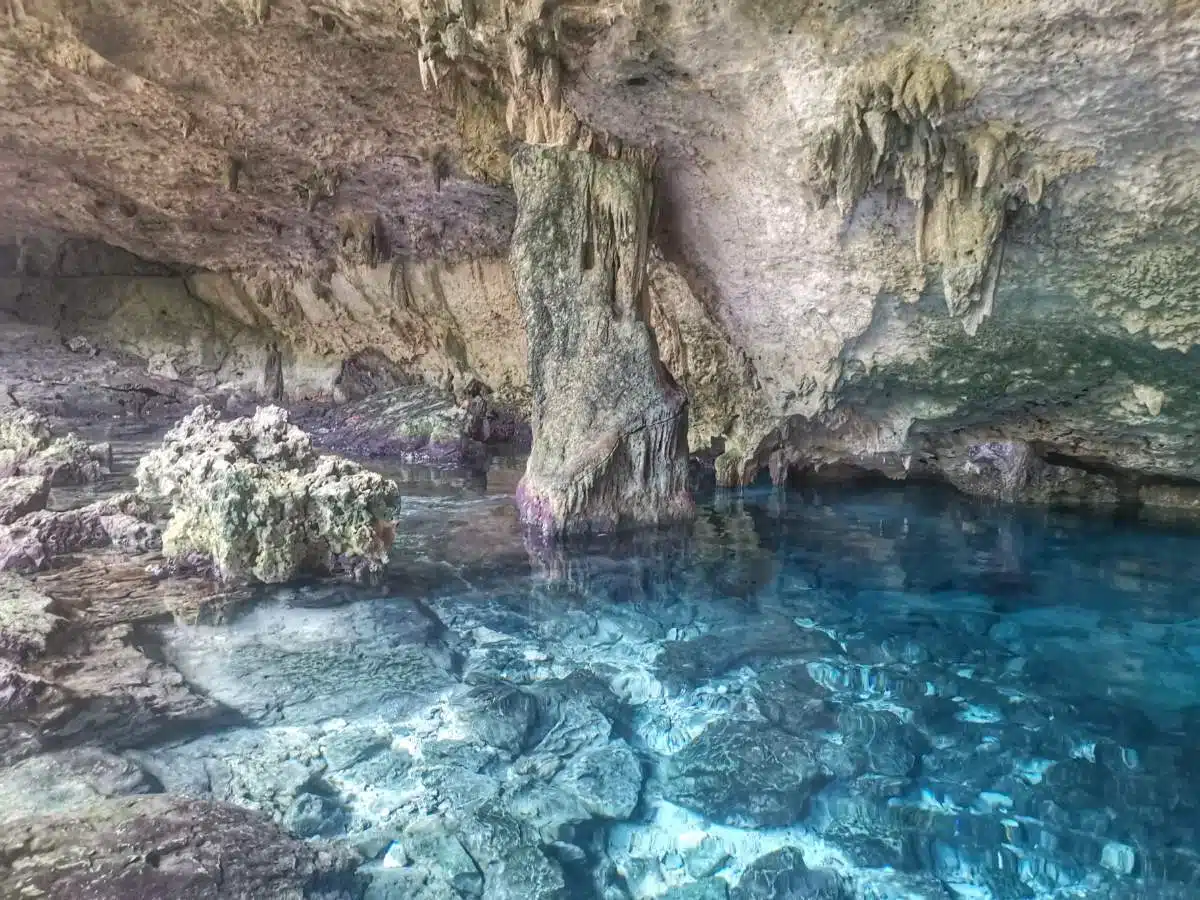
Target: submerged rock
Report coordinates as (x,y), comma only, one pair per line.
(28,447)
(609,423)
(162,846)
(254,496)
(745,773)
(782,875)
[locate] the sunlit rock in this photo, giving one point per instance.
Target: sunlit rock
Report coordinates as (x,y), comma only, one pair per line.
(254,496)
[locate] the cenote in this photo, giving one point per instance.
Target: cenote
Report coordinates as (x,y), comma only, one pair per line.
(837,692)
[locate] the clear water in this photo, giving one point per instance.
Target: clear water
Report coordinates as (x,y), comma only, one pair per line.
(924,696)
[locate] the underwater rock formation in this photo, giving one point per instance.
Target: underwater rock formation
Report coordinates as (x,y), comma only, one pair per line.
(254,496)
(162,846)
(609,423)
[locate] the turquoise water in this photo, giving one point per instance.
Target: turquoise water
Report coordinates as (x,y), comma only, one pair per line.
(855,693)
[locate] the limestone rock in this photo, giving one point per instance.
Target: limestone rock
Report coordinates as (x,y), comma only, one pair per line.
(22,495)
(254,496)
(32,542)
(782,875)
(162,846)
(28,619)
(609,423)
(28,447)
(748,773)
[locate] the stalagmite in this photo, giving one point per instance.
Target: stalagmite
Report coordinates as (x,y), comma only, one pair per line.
(609,423)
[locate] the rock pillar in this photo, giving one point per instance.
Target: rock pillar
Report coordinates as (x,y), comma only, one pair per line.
(609,423)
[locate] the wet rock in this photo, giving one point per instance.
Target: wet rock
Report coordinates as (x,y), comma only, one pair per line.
(252,495)
(609,423)
(1012,471)
(33,541)
(313,815)
(29,448)
(162,846)
(28,619)
(22,495)
(416,423)
(69,780)
(745,773)
(708,889)
(782,875)
(428,844)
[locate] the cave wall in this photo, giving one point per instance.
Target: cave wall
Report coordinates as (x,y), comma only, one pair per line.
(888,233)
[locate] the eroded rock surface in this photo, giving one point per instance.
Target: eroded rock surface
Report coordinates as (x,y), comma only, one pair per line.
(609,423)
(254,496)
(166,847)
(28,447)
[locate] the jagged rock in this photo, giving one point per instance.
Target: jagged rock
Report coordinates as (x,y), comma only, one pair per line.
(783,875)
(28,619)
(68,780)
(28,447)
(19,496)
(609,423)
(32,542)
(162,846)
(416,424)
(254,496)
(1012,471)
(745,773)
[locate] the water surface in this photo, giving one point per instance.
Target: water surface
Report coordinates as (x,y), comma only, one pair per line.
(924,696)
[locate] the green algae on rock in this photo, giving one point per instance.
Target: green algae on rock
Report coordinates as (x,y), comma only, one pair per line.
(254,496)
(28,447)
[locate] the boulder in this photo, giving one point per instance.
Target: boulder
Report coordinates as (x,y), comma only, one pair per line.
(22,495)
(254,496)
(746,773)
(782,875)
(28,447)
(609,423)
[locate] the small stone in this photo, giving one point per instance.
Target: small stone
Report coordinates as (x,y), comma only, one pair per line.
(312,815)
(1119,858)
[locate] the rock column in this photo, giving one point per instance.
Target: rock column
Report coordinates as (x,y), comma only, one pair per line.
(609,423)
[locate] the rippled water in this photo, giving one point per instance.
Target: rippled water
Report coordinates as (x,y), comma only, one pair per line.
(921,696)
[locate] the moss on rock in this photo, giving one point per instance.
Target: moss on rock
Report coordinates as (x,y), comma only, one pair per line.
(253,496)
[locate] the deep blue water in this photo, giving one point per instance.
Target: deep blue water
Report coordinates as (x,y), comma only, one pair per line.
(921,695)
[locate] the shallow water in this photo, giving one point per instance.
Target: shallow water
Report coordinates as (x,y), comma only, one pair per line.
(925,696)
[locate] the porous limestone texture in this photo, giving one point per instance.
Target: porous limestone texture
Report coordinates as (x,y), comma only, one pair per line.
(609,422)
(29,448)
(254,496)
(902,220)
(162,846)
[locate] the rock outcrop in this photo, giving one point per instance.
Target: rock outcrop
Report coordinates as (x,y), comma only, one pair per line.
(254,497)
(28,447)
(160,846)
(609,423)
